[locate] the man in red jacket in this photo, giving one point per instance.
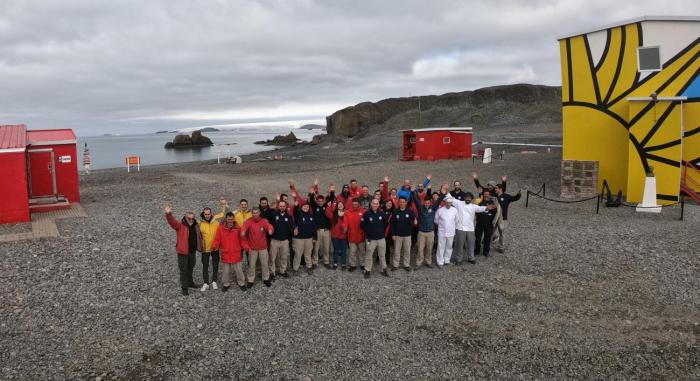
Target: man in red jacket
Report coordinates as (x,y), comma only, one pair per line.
(356,236)
(229,243)
(189,241)
(255,231)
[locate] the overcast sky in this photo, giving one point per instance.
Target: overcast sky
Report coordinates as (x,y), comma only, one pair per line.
(140,66)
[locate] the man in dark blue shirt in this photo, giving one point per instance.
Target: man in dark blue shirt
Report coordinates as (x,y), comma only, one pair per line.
(426,227)
(283,224)
(504,199)
(304,234)
(374,223)
(322,246)
(402,223)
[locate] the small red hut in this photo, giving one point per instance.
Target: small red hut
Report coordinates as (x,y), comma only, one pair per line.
(40,171)
(437,143)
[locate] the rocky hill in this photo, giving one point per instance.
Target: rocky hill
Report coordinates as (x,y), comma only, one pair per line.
(490,106)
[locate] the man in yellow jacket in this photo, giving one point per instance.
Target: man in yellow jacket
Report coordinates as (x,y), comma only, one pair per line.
(208,227)
(241,216)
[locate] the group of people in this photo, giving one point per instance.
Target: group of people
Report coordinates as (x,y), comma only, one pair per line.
(354,223)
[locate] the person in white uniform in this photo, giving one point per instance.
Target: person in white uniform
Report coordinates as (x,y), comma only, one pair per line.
(465,227)
(446,219)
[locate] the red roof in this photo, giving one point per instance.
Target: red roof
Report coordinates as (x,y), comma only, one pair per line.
(13,137)
(61,136)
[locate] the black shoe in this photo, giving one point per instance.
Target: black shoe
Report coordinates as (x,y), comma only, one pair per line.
(501,250)
(429,265)
(267,283)
(394,268)
(243,288)
(367,274)
(285,274)
(352,268)
(407,268)
(195,285)
(251,284)
(473,262)
(327,266)
(310,271)
(343,268)
(185,291)
(313,267)
(439,266)
(224,289)
(487,255)
(272,277)
(385,273)
(335,266)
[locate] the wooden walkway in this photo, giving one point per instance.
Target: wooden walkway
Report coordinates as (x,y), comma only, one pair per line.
(44,224)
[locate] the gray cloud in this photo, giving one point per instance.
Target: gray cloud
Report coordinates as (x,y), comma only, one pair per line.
(132,66)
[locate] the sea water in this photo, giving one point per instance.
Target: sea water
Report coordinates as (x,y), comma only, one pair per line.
(111,151)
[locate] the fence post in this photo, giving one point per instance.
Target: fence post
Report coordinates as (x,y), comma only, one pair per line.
(682,206)
(527,200)
(544,189)
(597,206)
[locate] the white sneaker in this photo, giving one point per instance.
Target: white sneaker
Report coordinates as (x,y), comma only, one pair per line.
(214,286)
(204,287)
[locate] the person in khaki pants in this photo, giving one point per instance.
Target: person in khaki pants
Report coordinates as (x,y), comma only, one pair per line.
(304,232)
(356,236)
(402,223)
(426,227)
(283,226)
(374,222)
(229,243)
(322,246)
(255,231)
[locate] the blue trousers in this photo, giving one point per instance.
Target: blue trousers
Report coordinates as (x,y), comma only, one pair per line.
(340,251)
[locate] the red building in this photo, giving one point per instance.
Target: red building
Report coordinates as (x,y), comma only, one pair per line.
(437,143)
(40,171)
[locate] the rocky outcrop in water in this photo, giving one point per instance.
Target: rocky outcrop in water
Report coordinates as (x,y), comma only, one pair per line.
(280,140)
(197,140)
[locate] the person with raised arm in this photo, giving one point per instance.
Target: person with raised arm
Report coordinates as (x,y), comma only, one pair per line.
(188,242)
(426,227)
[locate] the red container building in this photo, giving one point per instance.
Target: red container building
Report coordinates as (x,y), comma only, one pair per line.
(437,143)
(40,171)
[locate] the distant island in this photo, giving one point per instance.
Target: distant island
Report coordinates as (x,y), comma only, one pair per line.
(312,127)
(209,129)
(197,140)
(162,132)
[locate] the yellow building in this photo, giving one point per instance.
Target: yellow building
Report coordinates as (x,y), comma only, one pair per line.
(631,101)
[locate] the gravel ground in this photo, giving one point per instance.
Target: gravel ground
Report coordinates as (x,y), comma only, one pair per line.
(575,295)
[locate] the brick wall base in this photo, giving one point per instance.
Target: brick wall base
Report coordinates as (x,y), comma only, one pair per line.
(579,179)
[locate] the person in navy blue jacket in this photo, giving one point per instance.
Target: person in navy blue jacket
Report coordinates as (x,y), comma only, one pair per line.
(426,227)
(374,223)
(283,225)
(504,199)
(304,236)
(402,222)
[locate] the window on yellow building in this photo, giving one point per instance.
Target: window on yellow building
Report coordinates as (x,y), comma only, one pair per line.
(648,58)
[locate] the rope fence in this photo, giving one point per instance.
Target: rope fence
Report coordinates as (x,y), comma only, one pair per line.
(541,193)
